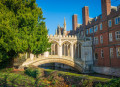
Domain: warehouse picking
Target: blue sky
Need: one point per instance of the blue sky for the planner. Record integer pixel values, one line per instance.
(55, 10)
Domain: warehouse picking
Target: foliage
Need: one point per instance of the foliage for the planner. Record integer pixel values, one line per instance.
(33, 72)
(76, 80)
(15, 80)
(112, 83)
(18, 80)
(6, 70)
(79, 76)
(53, 79)
(22, 29)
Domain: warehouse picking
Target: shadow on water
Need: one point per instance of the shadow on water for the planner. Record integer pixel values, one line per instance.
(59, 67)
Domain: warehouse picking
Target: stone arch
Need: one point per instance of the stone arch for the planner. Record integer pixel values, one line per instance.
(66, 48)
(59, 60)
(54, 41)
(66, 41)
(54, 48)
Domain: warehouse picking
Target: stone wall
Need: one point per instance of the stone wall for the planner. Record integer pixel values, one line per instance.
(107, 71)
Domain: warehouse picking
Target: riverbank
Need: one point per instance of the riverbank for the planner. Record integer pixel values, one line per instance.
(36, 77)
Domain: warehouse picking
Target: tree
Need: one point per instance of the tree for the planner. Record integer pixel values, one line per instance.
(22, 29)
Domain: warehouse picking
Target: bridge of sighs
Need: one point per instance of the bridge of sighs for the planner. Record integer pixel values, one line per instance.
(71, 50)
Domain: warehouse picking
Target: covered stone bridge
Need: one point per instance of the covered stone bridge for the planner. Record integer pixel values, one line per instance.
(72, 50)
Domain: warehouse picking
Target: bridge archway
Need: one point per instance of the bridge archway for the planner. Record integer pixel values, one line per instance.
(59, 60)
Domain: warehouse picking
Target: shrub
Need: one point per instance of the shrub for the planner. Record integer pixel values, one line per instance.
(6, 70)
(33, 72)
(15, 80)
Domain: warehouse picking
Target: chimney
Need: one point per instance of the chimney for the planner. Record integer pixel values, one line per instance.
(74, 22)
(106, 8)
(85, 15)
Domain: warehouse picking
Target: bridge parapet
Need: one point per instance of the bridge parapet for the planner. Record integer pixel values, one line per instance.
(63, 36)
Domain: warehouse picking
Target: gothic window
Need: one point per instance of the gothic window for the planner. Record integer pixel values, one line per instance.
(66, 49)
(54, 49)
(77, 50)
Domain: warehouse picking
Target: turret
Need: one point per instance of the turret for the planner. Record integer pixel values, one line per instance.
(64, 24)
(58, 29)
(56, 32)
(64, 32)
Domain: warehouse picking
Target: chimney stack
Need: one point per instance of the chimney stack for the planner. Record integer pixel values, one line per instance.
(85, 15)
(106, 8)
(74, 22)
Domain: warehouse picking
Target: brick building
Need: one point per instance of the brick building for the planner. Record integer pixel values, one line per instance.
(105, 31)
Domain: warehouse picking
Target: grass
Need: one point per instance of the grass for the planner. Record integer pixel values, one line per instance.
(93, 78)
(50, 78)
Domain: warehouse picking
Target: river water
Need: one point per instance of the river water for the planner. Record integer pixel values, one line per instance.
(63, 67)
(59, 67)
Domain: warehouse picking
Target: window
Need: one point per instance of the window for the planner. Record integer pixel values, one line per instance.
(118, 51)
(117, 20)
(102, 54)
(110, 37)
(91, 30)
(87, 31)
(101, 26)
(109, 23)
(96, 56)
(117, 34)
(101, 39)
(111, 52)
(95, 40)
(95, 28)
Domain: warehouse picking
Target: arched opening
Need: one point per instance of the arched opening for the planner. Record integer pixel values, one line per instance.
(54, 49)
(77, 50)
(66, 49)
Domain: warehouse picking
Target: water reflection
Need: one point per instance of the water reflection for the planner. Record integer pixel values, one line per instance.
(58, 66)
